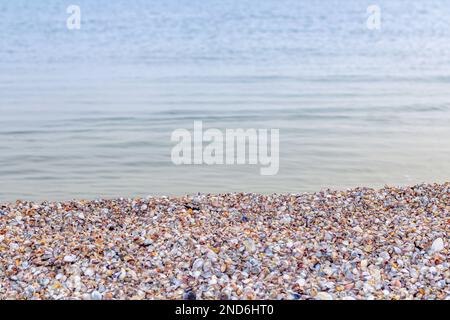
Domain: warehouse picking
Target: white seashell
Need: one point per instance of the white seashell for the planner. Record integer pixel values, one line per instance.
(70, 258)
(437, 246)
(250, 245)
(198, 263)
(323, 296)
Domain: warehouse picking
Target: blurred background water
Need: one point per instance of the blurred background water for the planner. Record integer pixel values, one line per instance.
(89, 113)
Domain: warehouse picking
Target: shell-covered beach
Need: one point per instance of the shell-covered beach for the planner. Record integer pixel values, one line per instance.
(391, 243)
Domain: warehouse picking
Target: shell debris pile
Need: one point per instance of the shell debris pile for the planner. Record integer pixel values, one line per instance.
(391, 243)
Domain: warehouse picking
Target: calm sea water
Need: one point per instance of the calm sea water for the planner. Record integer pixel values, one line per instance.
(89, 113)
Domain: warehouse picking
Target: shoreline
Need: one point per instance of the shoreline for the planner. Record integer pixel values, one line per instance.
(389, 243)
